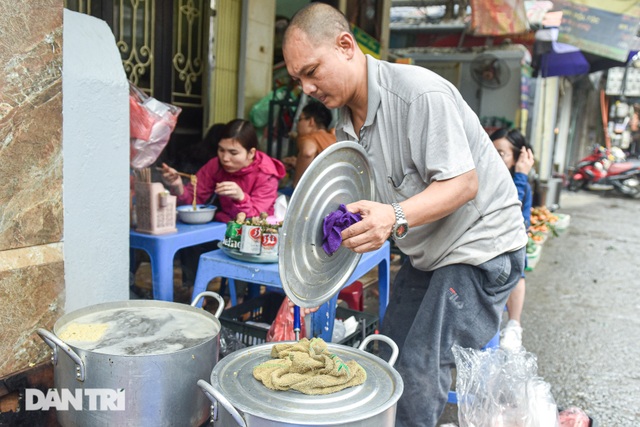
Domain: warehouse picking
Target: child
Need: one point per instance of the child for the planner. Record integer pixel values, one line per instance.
(518, 156)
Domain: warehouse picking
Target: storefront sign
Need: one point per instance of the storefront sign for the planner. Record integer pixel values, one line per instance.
(367, 43)
(604, 28)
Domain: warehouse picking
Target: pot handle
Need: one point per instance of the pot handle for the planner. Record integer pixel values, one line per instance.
(215, 395)
(54, 342)
(392, 344)
(210, 294)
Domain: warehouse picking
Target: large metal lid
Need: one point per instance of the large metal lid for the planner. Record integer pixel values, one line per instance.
(233, 378)
(341, 174)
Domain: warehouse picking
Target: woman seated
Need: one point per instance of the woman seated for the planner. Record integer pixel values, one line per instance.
(243, 178)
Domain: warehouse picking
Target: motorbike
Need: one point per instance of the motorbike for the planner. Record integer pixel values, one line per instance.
(606, 170)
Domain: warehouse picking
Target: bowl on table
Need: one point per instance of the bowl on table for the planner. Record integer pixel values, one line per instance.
(201, 215)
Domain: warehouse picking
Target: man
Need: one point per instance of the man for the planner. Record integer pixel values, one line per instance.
(455, 210)
(313, 137)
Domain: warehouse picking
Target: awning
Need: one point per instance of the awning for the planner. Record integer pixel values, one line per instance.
(552, 58)
(562, 60)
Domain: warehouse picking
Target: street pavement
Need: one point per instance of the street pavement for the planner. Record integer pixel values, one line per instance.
(582, 309)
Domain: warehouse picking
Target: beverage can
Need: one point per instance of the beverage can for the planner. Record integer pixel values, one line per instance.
(270, 244)
(233, 235)
(251, 239)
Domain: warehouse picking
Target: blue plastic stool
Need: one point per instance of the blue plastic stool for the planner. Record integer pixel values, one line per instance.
(218, 264)
(163, 247)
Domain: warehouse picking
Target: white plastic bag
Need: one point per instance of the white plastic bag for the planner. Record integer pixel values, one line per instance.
(499, 388)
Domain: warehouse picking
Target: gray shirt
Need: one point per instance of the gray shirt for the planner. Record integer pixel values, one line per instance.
(419, 130)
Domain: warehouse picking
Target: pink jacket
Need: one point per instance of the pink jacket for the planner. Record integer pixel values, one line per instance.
(259, 181)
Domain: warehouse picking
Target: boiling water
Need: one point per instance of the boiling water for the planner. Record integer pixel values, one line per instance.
(138, 331)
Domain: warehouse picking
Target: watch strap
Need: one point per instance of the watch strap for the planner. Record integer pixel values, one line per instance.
(399, 212)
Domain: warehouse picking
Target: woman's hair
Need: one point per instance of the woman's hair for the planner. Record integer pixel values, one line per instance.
(321, 114)
(241, 131)
(516, 139)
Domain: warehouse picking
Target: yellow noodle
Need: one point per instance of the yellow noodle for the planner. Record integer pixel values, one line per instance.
(83, 332)
(194, 183)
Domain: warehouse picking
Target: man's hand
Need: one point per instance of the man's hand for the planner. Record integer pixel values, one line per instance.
(374, 229)
(303, 311)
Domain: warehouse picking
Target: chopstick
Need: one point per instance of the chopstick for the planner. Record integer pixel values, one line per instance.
(186, 175)
(143, 175)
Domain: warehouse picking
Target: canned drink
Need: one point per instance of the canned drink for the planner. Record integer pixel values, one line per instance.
(270, 244)
(233, 234)
(251, 239)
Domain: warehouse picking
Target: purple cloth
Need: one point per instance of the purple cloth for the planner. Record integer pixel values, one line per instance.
(333, 225)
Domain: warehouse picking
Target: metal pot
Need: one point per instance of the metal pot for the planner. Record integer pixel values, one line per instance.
(153, 352)
(239, 399)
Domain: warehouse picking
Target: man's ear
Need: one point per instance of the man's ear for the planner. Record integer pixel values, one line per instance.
(252, 153)
(346, 44)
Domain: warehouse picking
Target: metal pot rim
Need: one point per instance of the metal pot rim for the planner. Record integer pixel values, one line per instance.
(381, 390)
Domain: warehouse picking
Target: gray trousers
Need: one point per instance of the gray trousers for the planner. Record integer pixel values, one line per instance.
(428, 312)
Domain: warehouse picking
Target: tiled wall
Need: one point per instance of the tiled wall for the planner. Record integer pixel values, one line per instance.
(31, 215)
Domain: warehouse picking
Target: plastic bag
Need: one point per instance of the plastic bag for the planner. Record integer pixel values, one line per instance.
(282, 327)
(501, 388)
(229, 342)
(259, 113)
(150, 125)
(574, 417)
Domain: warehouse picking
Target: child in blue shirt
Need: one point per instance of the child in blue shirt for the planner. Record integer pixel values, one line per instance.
(518, 156)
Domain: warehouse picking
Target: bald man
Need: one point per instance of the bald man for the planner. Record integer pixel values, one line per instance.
(442, 193)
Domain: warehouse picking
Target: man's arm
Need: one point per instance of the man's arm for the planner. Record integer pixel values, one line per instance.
(439, 199)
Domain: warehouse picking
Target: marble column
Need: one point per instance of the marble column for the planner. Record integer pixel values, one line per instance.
(31, 214)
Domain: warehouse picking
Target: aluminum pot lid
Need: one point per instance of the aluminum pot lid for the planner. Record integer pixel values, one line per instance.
(137, 328)
(233, 378)
(341, 174)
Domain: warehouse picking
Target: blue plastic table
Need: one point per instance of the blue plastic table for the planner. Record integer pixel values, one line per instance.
(218, 264)
(163, 247)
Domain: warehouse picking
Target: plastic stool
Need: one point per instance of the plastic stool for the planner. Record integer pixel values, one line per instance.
(353, 295)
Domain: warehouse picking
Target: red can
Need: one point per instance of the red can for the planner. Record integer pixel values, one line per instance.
(270, 244)
(251, 239)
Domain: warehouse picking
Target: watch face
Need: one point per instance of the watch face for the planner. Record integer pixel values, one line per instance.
(401, 231)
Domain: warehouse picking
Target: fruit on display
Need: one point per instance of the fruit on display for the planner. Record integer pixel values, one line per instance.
(542, 222)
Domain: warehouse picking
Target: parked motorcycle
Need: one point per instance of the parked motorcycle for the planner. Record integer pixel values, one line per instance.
(605, 170)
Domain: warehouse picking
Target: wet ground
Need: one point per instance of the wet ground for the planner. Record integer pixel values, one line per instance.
(582, 310)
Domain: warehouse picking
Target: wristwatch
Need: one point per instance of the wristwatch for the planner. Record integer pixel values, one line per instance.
(401, 227)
